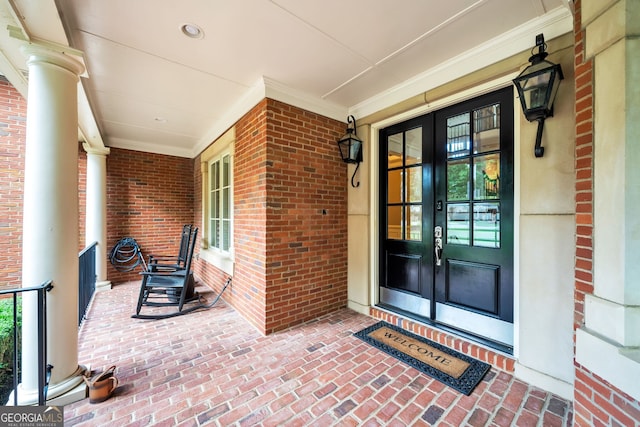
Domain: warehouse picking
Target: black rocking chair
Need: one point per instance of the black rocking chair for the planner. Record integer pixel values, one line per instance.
(173, 263)
(169, 287)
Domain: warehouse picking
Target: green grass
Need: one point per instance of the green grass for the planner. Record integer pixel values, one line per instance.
(6, 344)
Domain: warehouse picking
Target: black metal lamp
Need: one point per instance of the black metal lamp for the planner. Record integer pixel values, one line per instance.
(537, 88)
(351, 147)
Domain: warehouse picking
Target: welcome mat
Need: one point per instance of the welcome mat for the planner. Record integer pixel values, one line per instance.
(457, 370)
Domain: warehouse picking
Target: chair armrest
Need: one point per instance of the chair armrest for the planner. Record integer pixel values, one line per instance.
(178, 273)
(153, 258)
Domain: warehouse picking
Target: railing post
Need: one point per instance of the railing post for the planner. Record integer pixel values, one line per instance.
(87, 279)
(44, 369)
(15, 349)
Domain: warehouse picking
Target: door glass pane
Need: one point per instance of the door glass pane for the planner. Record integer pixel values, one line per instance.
(394, 222)
(487, 177)
(458, 180)
(458, 223)
(414, 184)
(458, 135)
(394, 186)
(413, 147)
(414, 223)
(394, 150)
(486, 135)
(486, 225)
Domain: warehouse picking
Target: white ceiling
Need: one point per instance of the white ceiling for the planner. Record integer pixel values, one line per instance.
(151, 88)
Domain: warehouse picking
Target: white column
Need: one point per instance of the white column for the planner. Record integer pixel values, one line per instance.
(96, 217)
(50, 235)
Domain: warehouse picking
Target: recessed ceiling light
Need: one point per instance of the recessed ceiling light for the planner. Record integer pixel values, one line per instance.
(192, 31)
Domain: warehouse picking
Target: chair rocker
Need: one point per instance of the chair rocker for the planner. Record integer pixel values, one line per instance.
(167, 287)
(169, 262)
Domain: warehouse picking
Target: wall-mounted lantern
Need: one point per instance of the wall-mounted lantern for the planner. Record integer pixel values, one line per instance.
(537, 88)
(351, 147)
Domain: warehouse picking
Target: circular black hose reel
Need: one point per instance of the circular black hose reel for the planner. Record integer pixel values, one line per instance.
(126, 255)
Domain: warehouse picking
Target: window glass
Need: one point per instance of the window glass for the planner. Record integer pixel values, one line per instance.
(413, 229)
(220, 203)
(226, 235)
(414, 184)
(458, 223)
(394, 186)
(226, 172)
(404, 185)
(458, 179)
(394, 222)
(458, 135)
(395, 151)
(486, 177)
(486, 225)
(413, 147)
(486, 136)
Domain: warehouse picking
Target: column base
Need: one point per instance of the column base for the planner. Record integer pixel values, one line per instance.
(70, 390)
(103, 285)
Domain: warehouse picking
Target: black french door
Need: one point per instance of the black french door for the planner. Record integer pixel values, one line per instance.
(446, 216)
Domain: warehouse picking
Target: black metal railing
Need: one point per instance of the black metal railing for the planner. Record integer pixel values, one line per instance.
(44, 369)
(87, 282)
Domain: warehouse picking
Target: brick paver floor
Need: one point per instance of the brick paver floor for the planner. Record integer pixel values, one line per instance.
(213, 368)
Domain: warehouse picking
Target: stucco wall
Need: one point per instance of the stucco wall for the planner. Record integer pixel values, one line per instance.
(607, 391)
(544, 202)
(547, 239)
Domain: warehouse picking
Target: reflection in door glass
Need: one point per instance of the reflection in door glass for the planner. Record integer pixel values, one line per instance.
(394, 222)
(394, 156)
(458, 179)
(486, 136)
(413, 147)
(414, 184)
(413, 229)
(486, 177)
(394, 186)
(486, 225)
(458, 223)
(458, 135)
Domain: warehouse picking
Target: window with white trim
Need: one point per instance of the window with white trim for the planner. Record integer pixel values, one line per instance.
(220, 203)
(217, 202)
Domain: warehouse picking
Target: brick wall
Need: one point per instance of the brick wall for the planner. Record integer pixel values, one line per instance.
(306, 217)
(290, 255)
(596, 402)
(149, 198)
(13, 114)
(584, 172)
(249, 179)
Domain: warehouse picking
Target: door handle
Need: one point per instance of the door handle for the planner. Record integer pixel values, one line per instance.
(437, 234)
